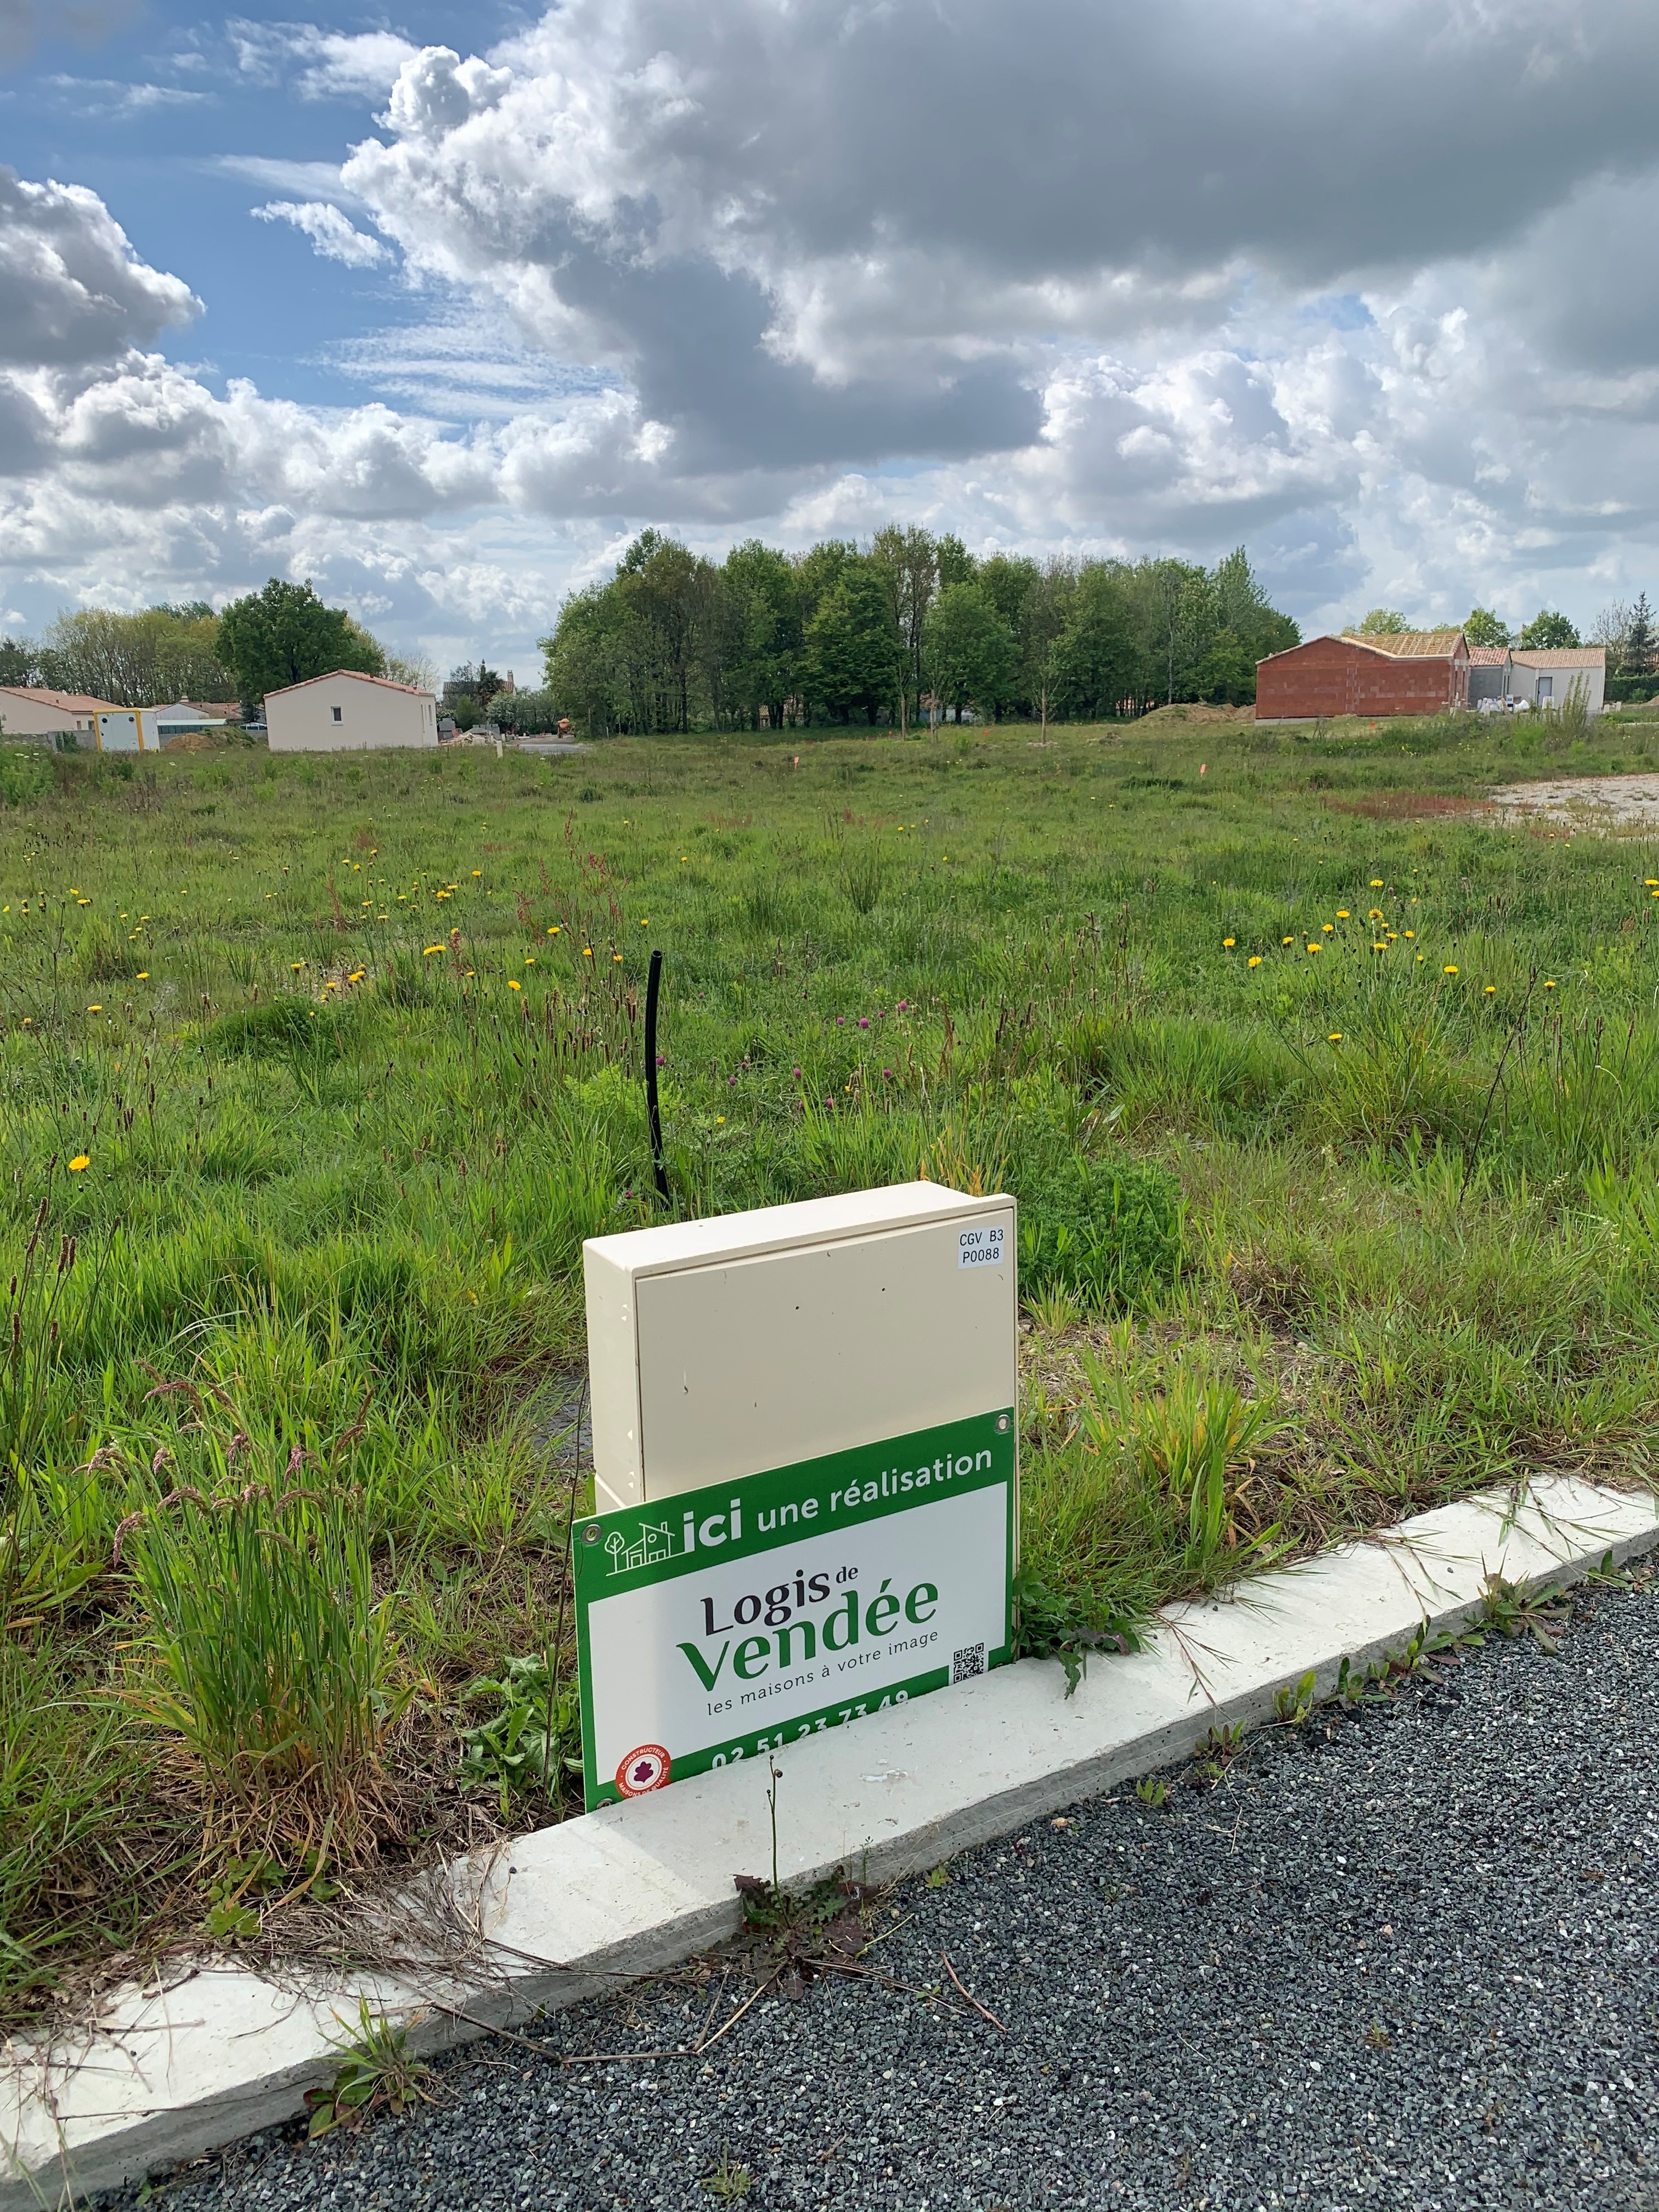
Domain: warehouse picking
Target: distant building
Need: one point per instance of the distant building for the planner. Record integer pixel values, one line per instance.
(1549, 678)
(184, 719)
(1419, 671)
(1489, 672)
(349, 713)
(33, 711)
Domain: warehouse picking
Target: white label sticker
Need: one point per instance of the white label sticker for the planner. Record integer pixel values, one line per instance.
(980, 1248)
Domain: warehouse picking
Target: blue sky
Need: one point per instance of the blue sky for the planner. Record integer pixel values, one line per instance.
(169, 119)
(1081, 277)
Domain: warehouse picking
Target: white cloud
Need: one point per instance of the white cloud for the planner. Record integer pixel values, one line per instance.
(71, 289)
(114, 96)
(322, 64)
(330, 233)
(1217, 270)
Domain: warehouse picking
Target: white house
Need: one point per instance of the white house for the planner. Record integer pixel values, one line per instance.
(349, 713)
(32, 711)
(182, 720)
(1547, 679)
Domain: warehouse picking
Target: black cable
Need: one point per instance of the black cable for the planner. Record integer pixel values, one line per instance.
(654, 986)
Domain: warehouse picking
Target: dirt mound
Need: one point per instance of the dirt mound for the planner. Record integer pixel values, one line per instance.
(1197, 717)
(193, 741)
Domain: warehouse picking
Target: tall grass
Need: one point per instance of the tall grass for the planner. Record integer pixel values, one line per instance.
(1400, 1202)
(271, 1654)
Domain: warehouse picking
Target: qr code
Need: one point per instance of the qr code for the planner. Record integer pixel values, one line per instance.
(967, 1662)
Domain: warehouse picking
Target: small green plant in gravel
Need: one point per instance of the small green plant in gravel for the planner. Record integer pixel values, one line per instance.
(729, 2181)
(378, 2072)
(1510, 1610)
(1294, 1707)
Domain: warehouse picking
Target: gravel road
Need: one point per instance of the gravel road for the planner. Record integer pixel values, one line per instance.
(1408, 1957)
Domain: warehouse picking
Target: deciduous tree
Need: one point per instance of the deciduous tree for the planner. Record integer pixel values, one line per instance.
(285, 634)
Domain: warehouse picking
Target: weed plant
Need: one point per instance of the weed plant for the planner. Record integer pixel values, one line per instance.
(1332, 1107)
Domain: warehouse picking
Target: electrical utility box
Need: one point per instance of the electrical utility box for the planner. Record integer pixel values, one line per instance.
(805, 1464)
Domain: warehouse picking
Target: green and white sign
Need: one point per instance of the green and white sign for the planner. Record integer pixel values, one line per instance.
(718, 1624)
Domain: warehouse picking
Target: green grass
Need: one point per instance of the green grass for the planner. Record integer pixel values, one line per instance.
(288, 1375)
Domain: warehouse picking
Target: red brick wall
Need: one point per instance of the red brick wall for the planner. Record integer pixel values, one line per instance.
(1329, 676)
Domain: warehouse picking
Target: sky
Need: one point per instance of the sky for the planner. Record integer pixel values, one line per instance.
(439, 306)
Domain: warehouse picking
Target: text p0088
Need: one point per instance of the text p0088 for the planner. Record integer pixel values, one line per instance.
(980, 1247)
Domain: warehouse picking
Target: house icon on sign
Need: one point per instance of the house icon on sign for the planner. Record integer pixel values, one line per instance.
(651, 1546)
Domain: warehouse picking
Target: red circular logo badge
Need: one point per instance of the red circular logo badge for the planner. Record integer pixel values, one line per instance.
(642, 1769)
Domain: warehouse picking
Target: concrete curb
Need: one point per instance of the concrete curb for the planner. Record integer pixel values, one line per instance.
(173, 2071)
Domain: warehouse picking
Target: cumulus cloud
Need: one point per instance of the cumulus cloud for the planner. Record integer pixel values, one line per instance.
(331, 234)
(1361, 287)
(71, 287)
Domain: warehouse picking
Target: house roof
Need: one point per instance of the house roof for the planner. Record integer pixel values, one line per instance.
(72, 703)
(1488, 656)
(385, 684)
(182, 710)
(1409, 644)
(1565, 656)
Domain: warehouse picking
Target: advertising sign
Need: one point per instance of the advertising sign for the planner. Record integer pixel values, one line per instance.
(717, 1624)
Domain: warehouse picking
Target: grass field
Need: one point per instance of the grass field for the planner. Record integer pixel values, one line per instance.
(1334, 1111)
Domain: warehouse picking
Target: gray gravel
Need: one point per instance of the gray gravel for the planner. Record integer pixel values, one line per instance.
(1406, 1958)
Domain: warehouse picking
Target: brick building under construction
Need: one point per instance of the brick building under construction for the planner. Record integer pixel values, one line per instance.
(1414, 672)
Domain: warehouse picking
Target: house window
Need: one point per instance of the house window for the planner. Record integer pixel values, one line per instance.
(337, 714)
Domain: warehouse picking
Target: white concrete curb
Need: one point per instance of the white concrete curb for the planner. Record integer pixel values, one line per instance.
(640, 1887)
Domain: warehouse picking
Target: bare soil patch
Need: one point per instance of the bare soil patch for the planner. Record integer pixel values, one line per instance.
(1586, 802)
(1197, 717)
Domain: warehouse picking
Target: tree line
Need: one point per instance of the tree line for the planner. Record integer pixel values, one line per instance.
(282, 634)
(906, 629)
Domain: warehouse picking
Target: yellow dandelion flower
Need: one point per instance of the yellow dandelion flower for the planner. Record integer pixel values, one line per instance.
(1652, 882)
(1229, 942)
(1377, 882)
(1448, 971)
(529, 959)
(1491, 990)
(720, 1117)
(1420, 959)
(1255, 960)
(428, 950)
(513, 984)
(1335, 1037)
(615, 956)
(1375, 915)
(296, 965)
(553, 929)
(1328, 926)
(97, 1007)
(81, 1160)
(1410, 933)
(1287, 940)
(1315, 948)
(1549, 983)
(587, 952)
(477, 871)
(1379, 948)
(144, 975)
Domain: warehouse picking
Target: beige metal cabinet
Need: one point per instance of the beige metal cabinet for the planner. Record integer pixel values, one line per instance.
(722, 1348)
